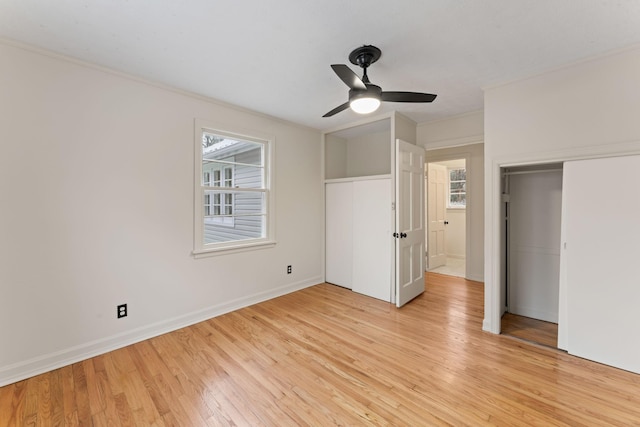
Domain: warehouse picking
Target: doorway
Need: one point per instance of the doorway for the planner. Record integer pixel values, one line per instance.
(532, 212)
(446, 203)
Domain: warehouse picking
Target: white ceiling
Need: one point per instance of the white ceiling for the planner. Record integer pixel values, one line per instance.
(274, 56)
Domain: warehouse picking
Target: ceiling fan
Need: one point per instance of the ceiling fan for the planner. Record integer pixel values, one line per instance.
(364, 96)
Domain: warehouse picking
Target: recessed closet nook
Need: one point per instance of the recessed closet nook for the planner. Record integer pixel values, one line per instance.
(362, 228)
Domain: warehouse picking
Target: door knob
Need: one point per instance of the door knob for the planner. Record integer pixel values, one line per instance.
(446, 223)
(403, 235)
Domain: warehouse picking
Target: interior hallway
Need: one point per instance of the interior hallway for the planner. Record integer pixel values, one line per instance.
(453, 267)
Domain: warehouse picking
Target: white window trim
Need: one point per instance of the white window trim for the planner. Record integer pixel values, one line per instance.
(201, 249)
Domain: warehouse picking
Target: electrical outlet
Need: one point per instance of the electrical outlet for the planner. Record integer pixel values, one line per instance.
(288, 269)
(122, 310)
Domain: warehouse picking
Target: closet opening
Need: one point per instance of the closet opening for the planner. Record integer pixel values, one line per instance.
(531, 207)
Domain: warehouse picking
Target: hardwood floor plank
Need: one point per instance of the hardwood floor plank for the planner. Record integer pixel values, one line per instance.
(125, 414)
(83, 405)
(537, 331)
(328, 356)
(110, 414)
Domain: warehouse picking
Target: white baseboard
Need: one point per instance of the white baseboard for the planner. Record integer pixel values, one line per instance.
(41, 364)
(475, 277)
(487, 326)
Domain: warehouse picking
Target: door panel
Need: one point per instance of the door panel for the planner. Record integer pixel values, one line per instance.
(339, 233)
(437, 195)
(410, 240)
(372, 244)
(601, 251)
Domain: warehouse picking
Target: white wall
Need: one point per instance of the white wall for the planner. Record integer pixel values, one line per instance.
(461, 137)
(96, 196)
(369, 154)
(454, 131)
(588, 109)
(362, 155)
(335, 157)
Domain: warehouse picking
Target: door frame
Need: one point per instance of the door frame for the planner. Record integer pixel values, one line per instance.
(493, 232)
(470, 189)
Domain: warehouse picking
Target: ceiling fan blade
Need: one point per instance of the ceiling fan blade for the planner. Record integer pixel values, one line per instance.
(347, 75)
(337, 109)
(407, 97)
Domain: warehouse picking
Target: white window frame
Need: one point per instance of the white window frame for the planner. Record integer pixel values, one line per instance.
(449, 205)
(268, 141)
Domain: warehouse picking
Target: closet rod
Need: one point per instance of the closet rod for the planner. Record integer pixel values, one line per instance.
(530, 171)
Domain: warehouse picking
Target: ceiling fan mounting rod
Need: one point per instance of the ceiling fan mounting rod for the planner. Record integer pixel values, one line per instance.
(364, 56)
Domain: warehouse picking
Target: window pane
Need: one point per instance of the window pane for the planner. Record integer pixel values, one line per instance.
(458, 174)
(457, 200)
(254, 226)
(216, 147)
(249, 203)
(248, 177)
(457, 186)
(236, 216)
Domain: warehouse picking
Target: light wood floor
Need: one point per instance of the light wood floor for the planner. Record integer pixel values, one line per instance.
(526, 328)
(328, 356)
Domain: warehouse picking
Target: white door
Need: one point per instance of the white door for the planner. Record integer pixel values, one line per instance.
(372, 244)
(601, 251)
(437, 198)
(339, 233)
(409, 177)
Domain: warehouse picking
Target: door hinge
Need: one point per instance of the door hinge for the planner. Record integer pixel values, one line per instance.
(393, 206)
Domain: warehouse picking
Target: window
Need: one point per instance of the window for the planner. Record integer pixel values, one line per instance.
(233, 197)
(458, 188)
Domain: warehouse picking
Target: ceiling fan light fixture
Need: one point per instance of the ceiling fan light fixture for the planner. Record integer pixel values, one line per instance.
(364, 96)
(365, 104)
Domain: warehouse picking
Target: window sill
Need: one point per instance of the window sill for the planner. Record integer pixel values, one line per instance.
(233, 249)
